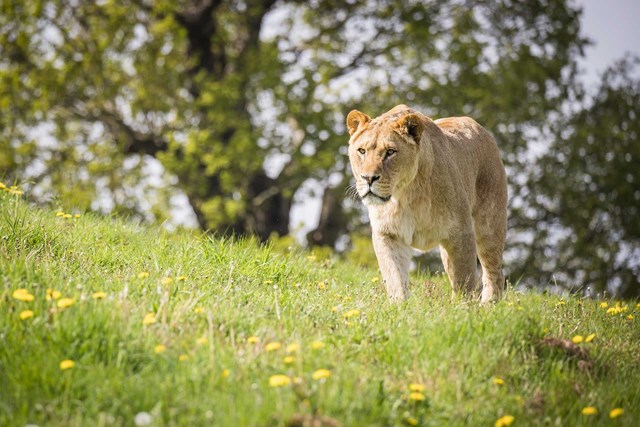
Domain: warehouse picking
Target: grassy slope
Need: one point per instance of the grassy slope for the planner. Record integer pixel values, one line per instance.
(234, 290)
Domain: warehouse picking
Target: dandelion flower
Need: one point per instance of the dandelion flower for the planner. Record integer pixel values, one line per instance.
(76, 216)
(577, 339)
(59, 213)
(498, 381)
(321, 374)
(160, 348)
(67, 216)
(351, 313)
(201, 341)
(225, 373)
(65, 303)
(22, 295)
(149, 319)
(589, 337)
(53, 295)
(288, 360)
(2, 186)
(253, 339)
(198, 310)
(416, 396)
(616, 412)
(630, 317)
(143, 275)
(375, 280)
(411, 421)
(26, 314)
(293, 348)
(317, 345)
(272, 346)
(268, 282)
(67, 364)
(279, 380)
(416, 387)
(604, 304)
(181, 278)
(505, 421)
(589, 410)
(167, 281)
(311, 257)
(99, 295)
(183, 358)
(321, 285)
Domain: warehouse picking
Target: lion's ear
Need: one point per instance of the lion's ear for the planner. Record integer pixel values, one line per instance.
(355, 119)
(411, 125)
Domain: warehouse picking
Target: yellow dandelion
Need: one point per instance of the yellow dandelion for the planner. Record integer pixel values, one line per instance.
(67, 364)
(201, 341)
(53, 295)
(638, 305)
(181, 278)
(416, 396)
(411, 421)
(272, 346)
(167, 281)
(589, 410)
(616, 412)
(577, 339)
(334, 308)
(183, 357)
(560, 303)
(160, 348)
(15, 190)
(65, 302)
(26, 314)
(268, 282)
(2, 186)
(198, 310)
(317, 345)
(321, 285)
(630, 317)
(351, 313)
(321, 374)
(225, 373)
(279, 380)
(253, 340)
(288, 360)
(67, 216)
(59, 213)
(416, 387)
(505, 421)
(498, 381)
(311, 257)
(604, 304)
(589, 337)
(375, 280)
(143, 275)
(22, 295)
(99, 295)
(293, 348)
(149, 319)
(76, 216)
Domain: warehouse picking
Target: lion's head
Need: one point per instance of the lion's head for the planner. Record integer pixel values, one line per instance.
(384, 152)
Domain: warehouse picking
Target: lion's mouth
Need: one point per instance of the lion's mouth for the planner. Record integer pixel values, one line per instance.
(375, 196)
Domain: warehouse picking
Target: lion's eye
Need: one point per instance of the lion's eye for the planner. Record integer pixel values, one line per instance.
(361, 150)
(390, 152)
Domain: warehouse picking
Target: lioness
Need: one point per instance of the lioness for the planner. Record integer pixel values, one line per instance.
(428, 183)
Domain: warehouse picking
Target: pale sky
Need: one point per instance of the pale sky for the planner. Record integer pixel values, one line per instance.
(614, 28)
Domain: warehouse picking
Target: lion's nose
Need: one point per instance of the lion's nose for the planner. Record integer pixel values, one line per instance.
(370, 179)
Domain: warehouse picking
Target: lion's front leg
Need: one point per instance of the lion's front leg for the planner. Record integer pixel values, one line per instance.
(393, 259)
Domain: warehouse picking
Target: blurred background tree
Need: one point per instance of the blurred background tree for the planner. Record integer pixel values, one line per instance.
(131, 106)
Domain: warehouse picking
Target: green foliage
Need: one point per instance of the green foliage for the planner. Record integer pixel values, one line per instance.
(586, 193)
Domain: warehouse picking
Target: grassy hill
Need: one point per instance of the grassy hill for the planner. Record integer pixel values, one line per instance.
(104, 322)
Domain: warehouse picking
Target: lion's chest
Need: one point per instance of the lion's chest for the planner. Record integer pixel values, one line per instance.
(419, 231)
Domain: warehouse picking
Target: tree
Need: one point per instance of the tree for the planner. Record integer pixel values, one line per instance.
(241, 102)
(586, 194)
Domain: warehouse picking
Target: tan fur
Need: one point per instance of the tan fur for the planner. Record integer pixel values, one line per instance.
(438, 183)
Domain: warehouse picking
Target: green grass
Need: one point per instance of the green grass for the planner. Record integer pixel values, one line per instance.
(235, 289)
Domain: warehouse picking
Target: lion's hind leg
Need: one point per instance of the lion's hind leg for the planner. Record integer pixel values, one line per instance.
(490, 238)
